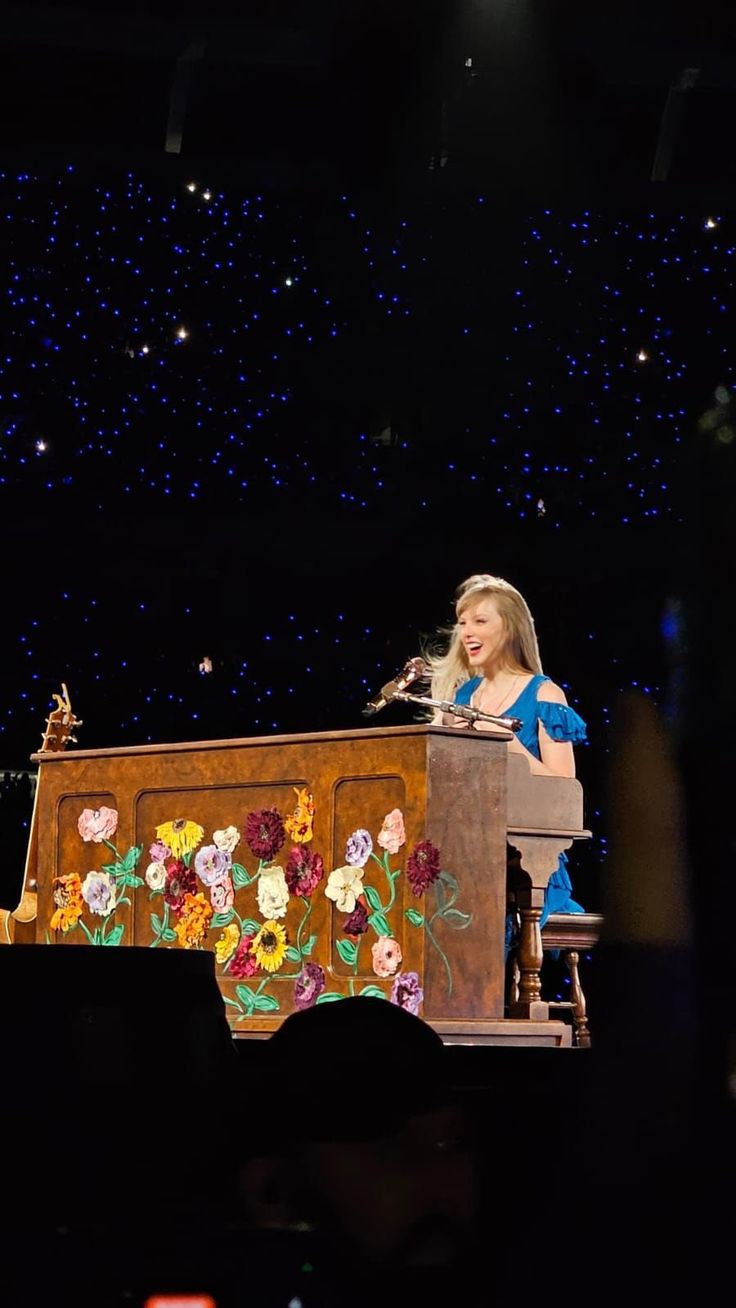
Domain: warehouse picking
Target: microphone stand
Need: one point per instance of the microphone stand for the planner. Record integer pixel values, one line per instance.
(471, 715)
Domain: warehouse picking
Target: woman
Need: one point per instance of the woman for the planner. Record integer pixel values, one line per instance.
(493, 664)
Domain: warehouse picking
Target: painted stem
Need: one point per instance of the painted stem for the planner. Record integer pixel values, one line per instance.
(308, 906)
(164, 927)
(440, 951)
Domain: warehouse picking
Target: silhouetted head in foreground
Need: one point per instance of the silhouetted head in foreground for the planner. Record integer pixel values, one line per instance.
(359, 1139)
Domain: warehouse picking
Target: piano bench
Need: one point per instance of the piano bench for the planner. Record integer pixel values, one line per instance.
(573, 933)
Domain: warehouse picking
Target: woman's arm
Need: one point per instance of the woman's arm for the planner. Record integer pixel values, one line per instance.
(558, 759)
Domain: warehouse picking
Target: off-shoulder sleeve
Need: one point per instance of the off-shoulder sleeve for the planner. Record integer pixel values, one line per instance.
(561, 722)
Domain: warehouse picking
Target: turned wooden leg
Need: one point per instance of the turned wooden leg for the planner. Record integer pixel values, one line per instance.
(529, 1003)
(579, 1011)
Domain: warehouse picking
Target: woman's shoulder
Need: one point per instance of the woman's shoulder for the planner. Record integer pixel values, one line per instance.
(548, 691)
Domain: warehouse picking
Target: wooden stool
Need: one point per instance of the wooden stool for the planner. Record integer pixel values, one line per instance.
(572, 933)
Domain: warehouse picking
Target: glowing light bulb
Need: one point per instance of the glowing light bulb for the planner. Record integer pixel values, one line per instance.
(144, 349)
(41, 447)
(191, 186)
(182, 333)
(642, 356)
(288, 281)
(710, 223)
(206, 195)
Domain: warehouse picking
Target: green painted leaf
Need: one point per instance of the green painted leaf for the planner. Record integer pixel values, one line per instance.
(131, 858)
(309, 946)
(240, 876)
(374, 899)
(157, 924)
(133, 881)
(246, 996)
(348, 951)
(293, 954)
(48, 937)
(266, 1004)
(232, 1002)
(114, 869)
(115, 936)
(380, 924)
(223, 919)
(454, 918)
(251, 927)
(416, 919)
(440, 891)
(169, 936)
(329, 997)
(373, 992)
(449, 895)
(187, 858)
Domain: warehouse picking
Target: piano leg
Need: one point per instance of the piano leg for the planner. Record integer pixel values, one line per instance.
(530, 1003)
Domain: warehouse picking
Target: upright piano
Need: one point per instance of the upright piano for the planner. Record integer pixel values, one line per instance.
(317, 866)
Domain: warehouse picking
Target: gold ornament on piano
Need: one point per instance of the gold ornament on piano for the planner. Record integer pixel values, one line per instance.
(59, 729)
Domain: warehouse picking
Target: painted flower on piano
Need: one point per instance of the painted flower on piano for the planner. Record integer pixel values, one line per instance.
(155, 877)
(357, 923)
(387, 956)
(194, 921)
(273, 893)
(309, 986)
(423, 866)
(392, 834)
(227, 839)
(180, 881)
(99, 893)
(264, 833)
(269, 946)
(299, 824)
(359, 848)
(407, 993)
(304, 871)
(245, 963)
(97, 824)
(69, 902)
(344, 885)
(181, 835)
(227, 944)
(212, 865)
(222, 896)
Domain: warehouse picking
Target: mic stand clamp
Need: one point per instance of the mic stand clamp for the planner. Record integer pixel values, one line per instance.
(471, 715)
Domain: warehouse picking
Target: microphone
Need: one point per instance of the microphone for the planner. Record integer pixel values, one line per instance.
(415, 670)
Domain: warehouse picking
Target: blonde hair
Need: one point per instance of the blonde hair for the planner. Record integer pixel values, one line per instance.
(521, 652)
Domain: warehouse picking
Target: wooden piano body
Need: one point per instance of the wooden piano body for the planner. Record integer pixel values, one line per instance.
(440, 952)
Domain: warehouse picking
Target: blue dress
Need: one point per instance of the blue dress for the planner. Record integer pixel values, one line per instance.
(561, 723)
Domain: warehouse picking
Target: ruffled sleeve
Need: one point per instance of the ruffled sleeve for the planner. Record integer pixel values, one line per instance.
(561, 722)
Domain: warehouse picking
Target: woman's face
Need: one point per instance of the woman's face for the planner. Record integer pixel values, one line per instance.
(482, 632)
